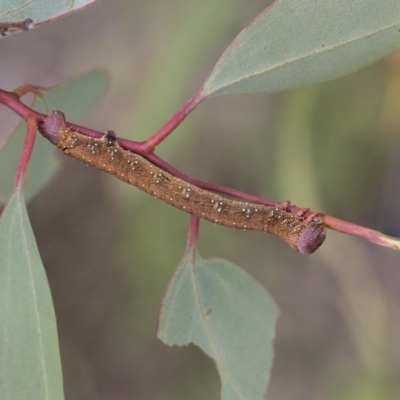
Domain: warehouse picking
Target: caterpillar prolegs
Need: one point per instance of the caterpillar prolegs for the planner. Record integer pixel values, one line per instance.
(302, 234)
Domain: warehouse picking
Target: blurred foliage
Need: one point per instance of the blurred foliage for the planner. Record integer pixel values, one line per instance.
(110, 250)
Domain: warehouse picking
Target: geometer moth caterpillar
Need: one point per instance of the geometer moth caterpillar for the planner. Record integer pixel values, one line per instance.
(302, 234)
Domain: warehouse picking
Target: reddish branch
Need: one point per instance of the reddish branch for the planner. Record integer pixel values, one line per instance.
(193, 233)
(27, 149)
(146, 149)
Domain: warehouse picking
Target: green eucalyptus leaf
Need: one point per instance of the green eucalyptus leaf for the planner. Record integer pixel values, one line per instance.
(76, 98)
(230, 316)
(29, 355)
(294, 43)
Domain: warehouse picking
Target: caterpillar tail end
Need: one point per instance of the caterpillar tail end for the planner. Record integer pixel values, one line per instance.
(311, 238)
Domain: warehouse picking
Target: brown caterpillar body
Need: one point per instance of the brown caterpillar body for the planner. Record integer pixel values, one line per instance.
(302, 234)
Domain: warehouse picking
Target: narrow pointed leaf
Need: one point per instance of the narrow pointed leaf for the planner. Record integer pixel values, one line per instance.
(294, 43)
(30, 365)
(76, 98)
(218, 307)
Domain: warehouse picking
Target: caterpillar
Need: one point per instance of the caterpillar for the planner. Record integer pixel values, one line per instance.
(304, 234)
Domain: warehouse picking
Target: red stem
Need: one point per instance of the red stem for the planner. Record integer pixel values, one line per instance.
(29, 88)
(12, 101)
(148, 146)
(360, 231)
(26, 152)
(193, 234)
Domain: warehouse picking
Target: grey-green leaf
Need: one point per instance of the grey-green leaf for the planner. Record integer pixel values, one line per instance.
(30, 365)
(230, 316)
(39, 11)
(294, 43)
(76, 98)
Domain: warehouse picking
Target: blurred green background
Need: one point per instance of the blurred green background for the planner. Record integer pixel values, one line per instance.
(109, 250)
